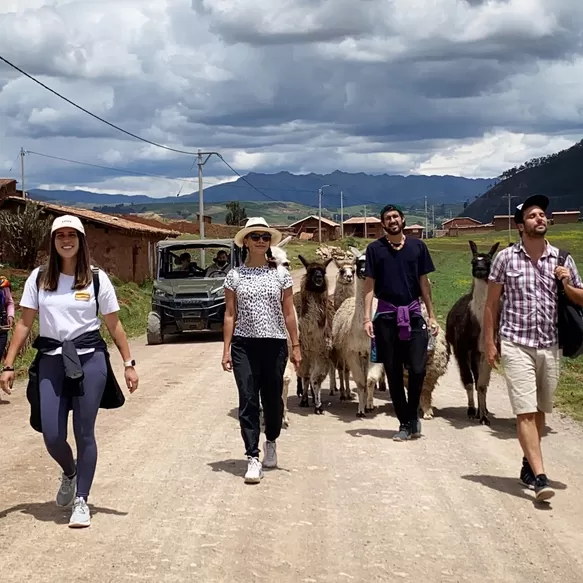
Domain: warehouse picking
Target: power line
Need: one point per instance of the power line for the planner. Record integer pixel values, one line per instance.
(245, 180)
(178, 151)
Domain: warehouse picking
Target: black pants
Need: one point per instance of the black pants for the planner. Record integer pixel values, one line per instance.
(3, 342)
(395, 354)
(258, 367)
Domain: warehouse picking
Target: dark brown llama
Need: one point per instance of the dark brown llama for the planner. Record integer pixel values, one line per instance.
(463, 333)
(315, 312)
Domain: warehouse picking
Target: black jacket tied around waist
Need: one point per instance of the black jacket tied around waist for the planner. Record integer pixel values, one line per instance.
(112, 398)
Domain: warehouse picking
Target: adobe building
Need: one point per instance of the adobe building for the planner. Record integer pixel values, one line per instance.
(308, 228)
(501, 222)
(565, 217)
(457, 222)
(414, 231)
(354, 227)
(123, 248)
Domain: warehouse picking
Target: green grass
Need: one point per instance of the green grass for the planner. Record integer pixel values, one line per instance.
(134, 302)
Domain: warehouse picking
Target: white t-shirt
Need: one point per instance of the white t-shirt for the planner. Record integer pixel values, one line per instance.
(259, 300)
(66, 313)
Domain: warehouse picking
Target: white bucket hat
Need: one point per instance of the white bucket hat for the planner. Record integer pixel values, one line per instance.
(257, 225)
(68, 221)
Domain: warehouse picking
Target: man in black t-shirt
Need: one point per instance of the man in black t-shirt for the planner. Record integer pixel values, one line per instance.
(396, 273)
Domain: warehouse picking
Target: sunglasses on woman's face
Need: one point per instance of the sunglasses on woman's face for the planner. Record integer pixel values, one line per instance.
(256, 236)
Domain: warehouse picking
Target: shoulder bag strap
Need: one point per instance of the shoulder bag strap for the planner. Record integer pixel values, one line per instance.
(96, 284)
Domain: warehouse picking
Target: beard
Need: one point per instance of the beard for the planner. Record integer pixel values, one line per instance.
(536, 232)
(393, 229)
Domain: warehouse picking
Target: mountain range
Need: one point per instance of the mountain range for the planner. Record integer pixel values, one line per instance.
(559, 176)
(358, 189)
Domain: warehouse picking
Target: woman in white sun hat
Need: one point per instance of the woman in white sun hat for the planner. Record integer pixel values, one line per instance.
(259, 310)
(71, 369)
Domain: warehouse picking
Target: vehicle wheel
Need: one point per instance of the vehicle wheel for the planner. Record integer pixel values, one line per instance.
(154, 331)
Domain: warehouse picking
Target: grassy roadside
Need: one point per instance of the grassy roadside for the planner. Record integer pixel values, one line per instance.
(134, 302)
(452, 278)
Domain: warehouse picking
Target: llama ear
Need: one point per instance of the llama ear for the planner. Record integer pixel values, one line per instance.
(355, 252)
(284, 242)
(303, 260)
(493, 249)
(473, 247)
(327, 262)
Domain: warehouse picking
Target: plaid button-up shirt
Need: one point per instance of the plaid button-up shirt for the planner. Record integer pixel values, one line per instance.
(529, 312)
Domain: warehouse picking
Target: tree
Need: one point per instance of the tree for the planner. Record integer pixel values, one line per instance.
(235, 213)
(24, 233)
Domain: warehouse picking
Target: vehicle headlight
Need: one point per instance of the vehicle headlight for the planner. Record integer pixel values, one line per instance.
(160, 293)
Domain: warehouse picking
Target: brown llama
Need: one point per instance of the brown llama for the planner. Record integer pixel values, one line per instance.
(464, 334)
(315, 312)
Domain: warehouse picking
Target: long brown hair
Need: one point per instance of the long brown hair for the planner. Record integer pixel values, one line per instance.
(83, 276)
(271, 262)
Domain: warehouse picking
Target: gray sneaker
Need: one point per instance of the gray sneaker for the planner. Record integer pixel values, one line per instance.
(403, 434)
(66, 493)
(416, 428)
(270, 456)
(80, 517)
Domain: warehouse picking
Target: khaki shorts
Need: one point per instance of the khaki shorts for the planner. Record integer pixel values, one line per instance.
(532, 375)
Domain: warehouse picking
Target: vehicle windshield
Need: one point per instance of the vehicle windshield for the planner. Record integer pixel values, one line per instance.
(186, 262)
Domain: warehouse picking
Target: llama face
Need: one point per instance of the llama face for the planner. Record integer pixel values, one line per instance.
(345, 273)
(280, 256)
(315, 278)
(360, 267)
(481, 262)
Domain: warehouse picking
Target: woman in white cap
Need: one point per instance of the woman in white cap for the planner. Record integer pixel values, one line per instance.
(71, 369)
(259, 309)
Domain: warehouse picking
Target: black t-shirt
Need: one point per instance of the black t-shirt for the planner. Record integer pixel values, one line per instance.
(397, 273)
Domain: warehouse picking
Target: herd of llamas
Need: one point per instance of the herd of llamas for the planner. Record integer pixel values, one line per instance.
(333, 340)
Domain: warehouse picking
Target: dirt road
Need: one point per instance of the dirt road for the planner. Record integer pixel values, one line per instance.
(348, 504)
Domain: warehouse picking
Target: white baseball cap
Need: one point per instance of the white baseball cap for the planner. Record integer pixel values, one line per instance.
(68, 221)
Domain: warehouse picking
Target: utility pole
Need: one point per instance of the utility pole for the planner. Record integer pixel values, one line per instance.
(201, 163)
(433, 220)
(509, 197)
(22, 154)
(365, 225)
(341, 215)
(320, 212)
(426, 217)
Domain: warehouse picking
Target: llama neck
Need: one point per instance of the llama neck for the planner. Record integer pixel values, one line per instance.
(479, 294)
(359, 300)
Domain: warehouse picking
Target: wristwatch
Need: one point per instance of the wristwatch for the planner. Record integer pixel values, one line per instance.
(129, 363)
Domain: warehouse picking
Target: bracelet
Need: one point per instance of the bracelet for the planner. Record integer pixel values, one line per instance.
(7, 369)
(294, 345)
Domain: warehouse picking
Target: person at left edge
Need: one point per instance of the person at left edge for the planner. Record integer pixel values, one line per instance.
(67, 309)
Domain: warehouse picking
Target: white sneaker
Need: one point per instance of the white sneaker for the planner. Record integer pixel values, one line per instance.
(270, 455)
(80, 517)
(66, 493)
(254, 471)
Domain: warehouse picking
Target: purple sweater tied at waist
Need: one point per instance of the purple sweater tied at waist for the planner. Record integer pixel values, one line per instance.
(403, 315)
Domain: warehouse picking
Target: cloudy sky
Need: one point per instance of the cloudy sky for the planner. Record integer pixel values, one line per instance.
(462, 87)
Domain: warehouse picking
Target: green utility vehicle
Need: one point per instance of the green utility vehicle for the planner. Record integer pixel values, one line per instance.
(188, 293)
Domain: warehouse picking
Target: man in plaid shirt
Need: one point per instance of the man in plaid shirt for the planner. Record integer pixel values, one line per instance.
(523, 291)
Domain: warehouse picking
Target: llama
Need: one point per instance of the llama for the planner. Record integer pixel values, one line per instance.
(315, 314)
(351, 341)
(464, 334)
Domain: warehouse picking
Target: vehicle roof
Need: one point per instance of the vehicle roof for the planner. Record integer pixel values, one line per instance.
(195, 243)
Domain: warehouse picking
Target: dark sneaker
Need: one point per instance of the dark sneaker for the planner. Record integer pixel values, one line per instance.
(542, 489)
(403, 434)
(527, 475)
(416, 428)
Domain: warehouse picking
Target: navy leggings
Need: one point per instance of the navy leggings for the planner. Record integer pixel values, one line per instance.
(55, 414)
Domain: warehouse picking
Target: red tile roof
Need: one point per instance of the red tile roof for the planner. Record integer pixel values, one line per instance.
(101, 218)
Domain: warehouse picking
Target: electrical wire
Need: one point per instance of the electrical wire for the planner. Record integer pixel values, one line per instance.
(178, 151)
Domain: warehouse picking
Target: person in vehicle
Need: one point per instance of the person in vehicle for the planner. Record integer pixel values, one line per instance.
(186, 264)
(221, 265)
(259, 311)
